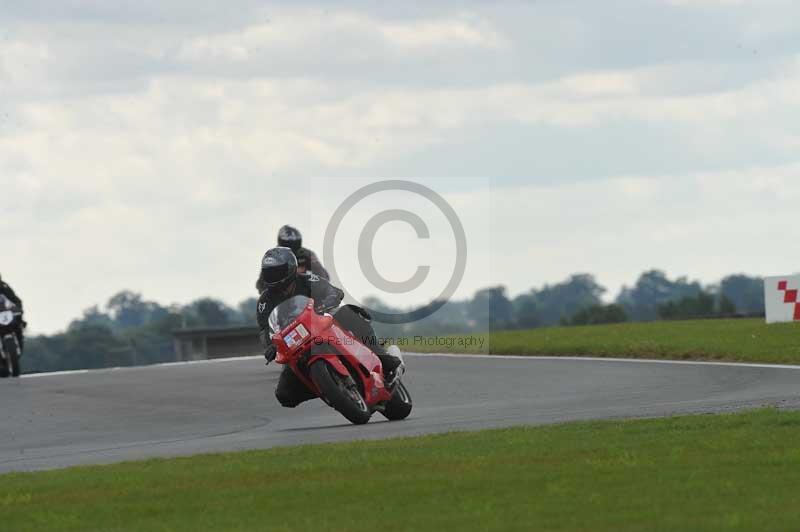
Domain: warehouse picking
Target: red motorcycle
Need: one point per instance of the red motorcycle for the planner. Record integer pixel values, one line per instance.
(333, 363)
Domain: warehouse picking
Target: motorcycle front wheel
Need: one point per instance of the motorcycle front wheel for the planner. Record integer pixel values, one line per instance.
(340, 392)
(12, 358)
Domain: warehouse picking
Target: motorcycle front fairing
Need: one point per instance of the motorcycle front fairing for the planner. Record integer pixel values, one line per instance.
(302, 330)
(305, 334)
(10, 316)
(296, 330)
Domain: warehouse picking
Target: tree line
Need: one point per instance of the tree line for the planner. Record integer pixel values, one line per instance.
(129, 330)
(578, 300)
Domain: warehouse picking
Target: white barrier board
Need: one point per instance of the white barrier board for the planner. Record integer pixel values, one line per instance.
(782, 298)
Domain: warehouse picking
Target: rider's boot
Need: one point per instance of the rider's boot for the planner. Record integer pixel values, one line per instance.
(392, 363)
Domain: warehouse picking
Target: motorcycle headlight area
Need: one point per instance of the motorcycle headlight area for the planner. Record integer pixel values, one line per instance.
(6, 317)
(296, 336)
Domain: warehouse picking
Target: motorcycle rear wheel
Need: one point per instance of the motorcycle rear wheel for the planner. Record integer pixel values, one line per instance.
(340, 392)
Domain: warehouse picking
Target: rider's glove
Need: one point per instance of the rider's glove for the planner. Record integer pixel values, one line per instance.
(270, 353)
(327, 304)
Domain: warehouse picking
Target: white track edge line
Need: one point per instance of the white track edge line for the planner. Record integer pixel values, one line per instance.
(609, 359)
(440, 355)
(123, 368)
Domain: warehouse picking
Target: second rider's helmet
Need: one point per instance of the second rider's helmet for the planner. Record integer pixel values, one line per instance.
(278, 270)
(290, 237)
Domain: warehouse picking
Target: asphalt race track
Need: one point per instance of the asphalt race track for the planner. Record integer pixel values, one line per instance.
(59, 420)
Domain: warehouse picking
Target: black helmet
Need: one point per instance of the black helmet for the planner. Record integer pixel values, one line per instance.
(278, 269)
(290, 237)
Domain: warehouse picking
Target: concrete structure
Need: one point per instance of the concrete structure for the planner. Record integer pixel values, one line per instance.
(202, 344)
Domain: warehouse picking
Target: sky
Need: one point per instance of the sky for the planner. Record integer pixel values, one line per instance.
(158, 146)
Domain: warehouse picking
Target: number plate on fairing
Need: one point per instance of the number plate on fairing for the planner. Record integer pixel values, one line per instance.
(296, 336)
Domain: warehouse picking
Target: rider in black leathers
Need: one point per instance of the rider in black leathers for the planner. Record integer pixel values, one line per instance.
(7, 291)
(307, 261)
(282, 281)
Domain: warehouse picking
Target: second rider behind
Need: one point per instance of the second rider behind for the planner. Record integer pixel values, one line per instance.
(307, 261)
(281, 281)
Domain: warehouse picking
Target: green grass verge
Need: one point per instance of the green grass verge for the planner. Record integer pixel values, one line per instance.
(736, 339)
(711, 472)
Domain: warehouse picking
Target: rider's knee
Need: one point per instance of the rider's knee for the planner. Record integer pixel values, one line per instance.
(286, 399)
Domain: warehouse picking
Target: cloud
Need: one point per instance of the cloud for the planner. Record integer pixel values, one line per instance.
(714, 3)
(705, 225)
(183, 127)
(355, 37)
(24, 62)
(157, 147)
(121, 146)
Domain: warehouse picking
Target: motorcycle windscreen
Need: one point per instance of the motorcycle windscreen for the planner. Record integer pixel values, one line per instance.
(285, 313)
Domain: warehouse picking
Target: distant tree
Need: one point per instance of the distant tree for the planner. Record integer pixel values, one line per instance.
(652, 289)
(165, 325)
(377, 305)
(451, 318)
(44, 353)
(597, 314)
(705, 304)
(526, 311)
(93, 346)
(127, 309)
(93, 316)
(726, 306)
(746, 293)
(130, 330)
(247, 311)
(698, 306)
(555, 303)
(491, 309)
(210, 313)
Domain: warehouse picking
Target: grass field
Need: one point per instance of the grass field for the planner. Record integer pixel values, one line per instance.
(735, 339)
(711, 472)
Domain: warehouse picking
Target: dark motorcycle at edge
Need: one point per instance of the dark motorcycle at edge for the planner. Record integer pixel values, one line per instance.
(10, 350)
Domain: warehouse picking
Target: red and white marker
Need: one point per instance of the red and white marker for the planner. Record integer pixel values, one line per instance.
(782, 298)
